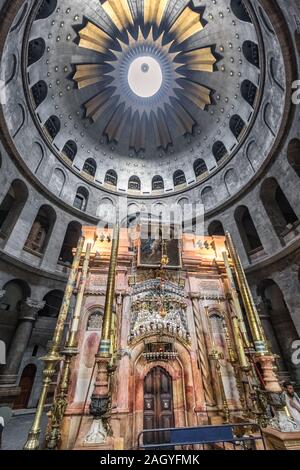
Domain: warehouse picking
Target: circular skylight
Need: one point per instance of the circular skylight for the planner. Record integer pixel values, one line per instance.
(145, 77)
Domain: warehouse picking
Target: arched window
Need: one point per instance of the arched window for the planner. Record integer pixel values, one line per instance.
(52, 126)
(200, 167)
(134, 183)
(277, 206)
(70, 242)
(36, 49)
(70, 150)
(41, 230)
(216, 228)
(293, 155)
(39, 92)
(95, 321)
(53, 301)
(16, 291)
(111, 178)
(219, 150)
(247, 230)
(179, 178)
(236, 125)
(90, 167)
(158, 183)
(81, 199)
(12, 206)
(251, 52)
(240, 11)
(46, 9)
(249, 91)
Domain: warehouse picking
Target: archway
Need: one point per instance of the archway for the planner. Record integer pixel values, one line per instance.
(278, 326)
(25, 384)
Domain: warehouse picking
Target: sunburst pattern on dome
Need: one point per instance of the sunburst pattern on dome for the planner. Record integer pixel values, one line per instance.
(147, 67)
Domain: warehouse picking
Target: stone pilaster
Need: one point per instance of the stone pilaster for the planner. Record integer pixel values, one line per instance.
(28, 315)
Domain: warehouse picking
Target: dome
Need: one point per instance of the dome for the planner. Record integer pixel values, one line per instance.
(149, 88)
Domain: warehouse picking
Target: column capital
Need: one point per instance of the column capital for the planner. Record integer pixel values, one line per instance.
(30, 308)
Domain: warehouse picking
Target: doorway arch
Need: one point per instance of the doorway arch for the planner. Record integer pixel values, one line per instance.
(26, 384)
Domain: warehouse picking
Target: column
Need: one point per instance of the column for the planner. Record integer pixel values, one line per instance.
(28, 315)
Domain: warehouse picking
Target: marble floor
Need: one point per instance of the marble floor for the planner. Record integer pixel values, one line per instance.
(15, 433)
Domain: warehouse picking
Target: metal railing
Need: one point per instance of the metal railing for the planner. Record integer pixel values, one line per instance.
(242, 436)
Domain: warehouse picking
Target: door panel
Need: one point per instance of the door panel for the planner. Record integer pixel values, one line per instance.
(158, 405)
(26, 384)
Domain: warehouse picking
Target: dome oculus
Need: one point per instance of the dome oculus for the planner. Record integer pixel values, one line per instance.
(145, 77)
(144, 71)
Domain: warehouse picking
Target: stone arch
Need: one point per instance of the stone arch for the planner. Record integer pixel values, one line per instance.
(216, 228)
(293, 155)
(276, 319)
(12, 206)
(208, 197)
(53, 301)
(70, 242)
(231, 180)
(58, 181)
(278, 208)
(81, 199)
(16, 292)
(41, 230)
(247, 229)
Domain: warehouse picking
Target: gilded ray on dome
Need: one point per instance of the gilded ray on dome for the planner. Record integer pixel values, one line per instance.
(200, 59)
(89, 74)
(186, 25)
(119, 13)
(164, 50)
(154, 11)
(94, 38)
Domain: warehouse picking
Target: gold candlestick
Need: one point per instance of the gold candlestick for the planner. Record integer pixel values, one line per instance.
(215, 356)
(262, 355)
(52, 358)
(237, 318)
(100, 400)
(254, 320)
(60, 403)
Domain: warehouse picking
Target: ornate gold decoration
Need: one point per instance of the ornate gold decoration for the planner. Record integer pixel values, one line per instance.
(202, 348)
(172, 44)
(100, 406)
(60, 403)
(53, 356)
(254, 320)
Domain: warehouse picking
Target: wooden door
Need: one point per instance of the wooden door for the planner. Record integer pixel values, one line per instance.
(26, 384)
(158, 405)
